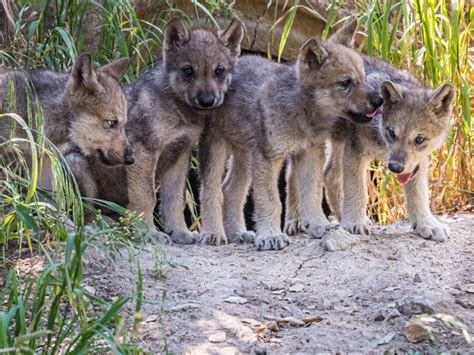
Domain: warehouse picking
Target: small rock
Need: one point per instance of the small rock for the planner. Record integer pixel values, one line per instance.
(386, 339)
(258, 350)
(218, 337)
(90, 290)
(412, 306)
(469, 288)
(275, 285)
(296, 288)
(417, 278)
(151, 319)
(296, 281)
(379, 317)
(236, 300)
(415, 330)
(292, 321)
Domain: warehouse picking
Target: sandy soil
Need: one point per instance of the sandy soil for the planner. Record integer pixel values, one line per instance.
(232, 299)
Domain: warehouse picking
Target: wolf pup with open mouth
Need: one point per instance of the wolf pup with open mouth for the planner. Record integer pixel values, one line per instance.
(274, 112)
(415, 122)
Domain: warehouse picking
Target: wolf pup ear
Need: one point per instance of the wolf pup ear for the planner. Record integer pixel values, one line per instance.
(312, 54)
(232, 36)
(175, 35)
(345, 35)
(83, 76)
(392, 93)
(117, 68)
(442, 98)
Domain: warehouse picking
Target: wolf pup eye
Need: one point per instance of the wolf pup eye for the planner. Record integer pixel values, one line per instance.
(391, 132)
(111, 124)
(419, 139)
(219, 70)
(188, 72)
(346, 84)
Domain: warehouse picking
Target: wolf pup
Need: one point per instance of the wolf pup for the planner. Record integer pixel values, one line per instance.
(414, 122)
(275, 111)
(168, 106)
(84, 110)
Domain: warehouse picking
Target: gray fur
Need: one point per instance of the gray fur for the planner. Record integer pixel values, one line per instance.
(275, 111)
(166, 118)
(410, 109)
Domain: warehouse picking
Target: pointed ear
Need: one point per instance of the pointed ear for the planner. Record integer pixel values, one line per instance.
(232, 36)
(442, 98)
(312, 54)
(117, 68)
(175, 35)
(392, 93)
(345, 35)
(83, 76)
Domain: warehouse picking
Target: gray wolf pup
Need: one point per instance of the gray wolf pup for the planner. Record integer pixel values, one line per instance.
(84, 110)
(168, 106)
(274, 112)
(414, 122)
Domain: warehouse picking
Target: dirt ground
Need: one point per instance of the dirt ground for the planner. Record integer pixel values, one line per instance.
(233, 299)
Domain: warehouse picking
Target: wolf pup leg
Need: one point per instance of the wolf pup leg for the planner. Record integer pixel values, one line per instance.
(417, 201)
(267, 205)
(333, 179)
(355, 193)
(292, 213)
(212, 157)
(236, 187)
(172, 187)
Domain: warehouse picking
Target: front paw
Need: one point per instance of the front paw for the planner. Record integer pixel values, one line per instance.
(242, 237)
(161, 237)
(271, 242)
(184, 237)
(432, 229)
(356, 228)
(293, 227)
(210, 238)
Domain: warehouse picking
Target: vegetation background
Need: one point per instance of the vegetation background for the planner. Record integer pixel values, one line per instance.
(49, 310)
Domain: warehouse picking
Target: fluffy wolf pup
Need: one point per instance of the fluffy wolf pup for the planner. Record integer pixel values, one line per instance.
(168, 106)
(414, 122)
(84, 110)
(273, 112)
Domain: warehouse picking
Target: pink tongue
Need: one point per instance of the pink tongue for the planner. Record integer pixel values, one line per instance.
(403, 178)
(373, 113)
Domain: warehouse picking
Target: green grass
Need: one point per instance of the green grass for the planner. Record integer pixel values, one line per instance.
(53, 313)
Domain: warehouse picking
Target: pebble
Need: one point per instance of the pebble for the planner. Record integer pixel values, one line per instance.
(218, 337)
(236, 300)
(296, 288)
(415, 330)
(417, 278)
(151, 319)
(412, 306)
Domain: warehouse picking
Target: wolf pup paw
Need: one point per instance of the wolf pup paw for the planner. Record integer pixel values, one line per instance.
(242, 237)
(293, 227)
(432, 229)
(357, 228)
(184, 237)
(161, 237)
(337, 239)
(271, 242)
(212, 238)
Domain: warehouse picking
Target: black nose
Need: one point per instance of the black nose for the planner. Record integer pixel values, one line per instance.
(375, 99)
(129, 158)
(395, 167)
(206, 100)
